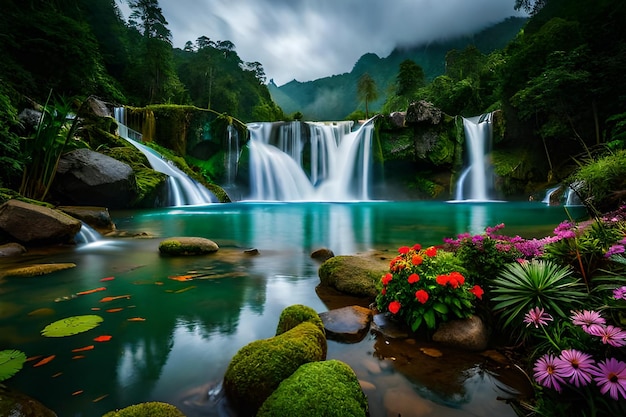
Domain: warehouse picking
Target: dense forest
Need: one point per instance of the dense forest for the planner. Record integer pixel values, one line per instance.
(558, 83)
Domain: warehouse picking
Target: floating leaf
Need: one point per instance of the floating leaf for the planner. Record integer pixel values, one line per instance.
(41, 312)
(117, 297)
(107, 279)
(114, 310)
(44, 360)
(182, 277)
(71, 325)
(11, 361)
(102, 397)
(103, 338)
(185, 289)
(83, 349)
(80, 391)
(136, 319)
(58, 374)
(78, 357)
(91, 291)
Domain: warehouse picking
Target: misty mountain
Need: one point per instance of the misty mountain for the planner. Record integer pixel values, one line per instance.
(335, 97)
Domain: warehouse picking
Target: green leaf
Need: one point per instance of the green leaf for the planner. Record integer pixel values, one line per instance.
(417, 323)
(11, 361)
(429, 318)
(71, 325)
(440, 308)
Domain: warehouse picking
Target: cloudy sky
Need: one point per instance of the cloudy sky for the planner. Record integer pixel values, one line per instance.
(311, 39)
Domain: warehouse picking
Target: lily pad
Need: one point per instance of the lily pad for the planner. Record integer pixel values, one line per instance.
(71, 325)
(11, 361)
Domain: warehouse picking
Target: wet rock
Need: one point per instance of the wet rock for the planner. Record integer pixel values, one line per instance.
(185, 246)
(251, 252)
(347, 324)
(403, 402)
(12, 249)
(16, 404)
(96, 217)
(31, 224)
(423, 112)
(322, 254)
(383, 324)
(397, 119)
(35, 270)
(467, 334)
(88, 178)
(353, 275)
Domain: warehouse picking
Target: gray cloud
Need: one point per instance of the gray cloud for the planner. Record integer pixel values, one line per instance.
(310, 39)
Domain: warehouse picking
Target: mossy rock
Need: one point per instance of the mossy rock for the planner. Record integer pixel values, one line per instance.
(184, 246)
(149, 409)
(353, 275)
(36, 270)
(296, 314)
(14, 403)
(258, 368)
(318, 389)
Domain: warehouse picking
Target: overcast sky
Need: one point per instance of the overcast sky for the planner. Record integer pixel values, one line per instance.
(311, 39)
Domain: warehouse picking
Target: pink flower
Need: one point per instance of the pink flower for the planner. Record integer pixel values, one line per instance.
(610, 335)
(577, 366)
(538, 317)
(394, 307)
(413, 278)
(549, 372)
(421, 296)
(590, 321)
(610, 376)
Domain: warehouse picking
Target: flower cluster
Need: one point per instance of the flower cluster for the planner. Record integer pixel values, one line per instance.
(578, 368)
(426, 285)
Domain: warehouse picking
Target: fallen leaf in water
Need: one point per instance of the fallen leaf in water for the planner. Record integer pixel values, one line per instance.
(104, 338)
(117, 297)
(181, 277)
(33, 358)
(158, 283)
(44, 361)
(107, 279)
(95, 308)
(78, 356)
(114, 310)
(80, 391)
(91, 291)
(136, 319)
(432, 352)
(185, 289)
(83, 349)
(41, 312)
(57, 374)
(102, 397)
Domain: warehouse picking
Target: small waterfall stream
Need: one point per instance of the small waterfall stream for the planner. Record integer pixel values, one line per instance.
(182, 190)
(476, 180)
(338, 167)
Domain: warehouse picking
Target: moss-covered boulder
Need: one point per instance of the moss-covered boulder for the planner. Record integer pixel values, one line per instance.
(353, 275)
(258, 368)
(318, 389)
(149, 409)
(35, 270)
(296, 314)
(184, 246)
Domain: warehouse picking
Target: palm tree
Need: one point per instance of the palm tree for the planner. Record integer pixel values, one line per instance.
(366, 90)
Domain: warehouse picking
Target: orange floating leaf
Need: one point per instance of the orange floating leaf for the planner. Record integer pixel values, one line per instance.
(33, 358)
(83, 349)
(181, 277)
(136, 319)
(114, 310)
(100, 398)
(117, 297)
(57, 374)
(44, 361)
(78, 356)
(107, 279)
(95, 308)
(91, 291)
(80, 391)
(103, 338)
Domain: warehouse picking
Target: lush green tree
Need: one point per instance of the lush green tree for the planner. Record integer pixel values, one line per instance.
(10, 162)
(530, 6)
(409, 79)
(366, 91)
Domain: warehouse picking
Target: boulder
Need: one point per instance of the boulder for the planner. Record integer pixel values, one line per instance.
(149, 409)
(318, 389)
(35, 270)
(396, 119)
(348, 324)
(353, 275)
(296, 314)
(12, 249)
(16, 404)
(96, 217)
(322, 254)
(258, 368)
(31, 224)
(88, 178)
(185, 246)
(423, 112)
(467, 334)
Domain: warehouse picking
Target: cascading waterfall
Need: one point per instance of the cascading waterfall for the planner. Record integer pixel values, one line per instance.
(182, 190)
(232, 157)
(339, 168)
(476, 180)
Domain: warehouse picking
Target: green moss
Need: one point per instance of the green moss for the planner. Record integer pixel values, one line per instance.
(318, 389)
(149, 409)
(295, 315)
(258, 368)
(353, 275)
(7, 194)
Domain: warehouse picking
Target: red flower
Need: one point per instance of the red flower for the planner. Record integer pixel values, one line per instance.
(383, 291)
(417, 247)
(442, 279)
(421, 296)
(413, 278)
(417, 260)
(386, 278)
(404, 250)
(477, 291)
(432, 251)
(457, 277)
(394, 307)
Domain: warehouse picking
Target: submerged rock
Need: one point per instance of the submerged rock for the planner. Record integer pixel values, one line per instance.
(184, 246)
(322, 254)
(16, 404)
(467, 334)
(96, 217)
(348, 324)
(35, 270)
(12, 249)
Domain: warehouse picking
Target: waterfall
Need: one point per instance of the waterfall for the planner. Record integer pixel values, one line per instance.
(182, 190)
(476, 181)
(338, 167)
(87, 234)
(549, 192)
(232, 156)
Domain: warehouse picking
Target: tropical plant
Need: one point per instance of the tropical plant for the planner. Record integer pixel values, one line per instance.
(524, 285)
(426, 286)
(366, 91)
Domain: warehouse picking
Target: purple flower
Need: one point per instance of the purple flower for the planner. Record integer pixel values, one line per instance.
(610, 376)
(564, 230)
(620, 293)
(610, 335)
(577, 366)
(590, 321)
(549, 372)
(614, 250)
(538, 317)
